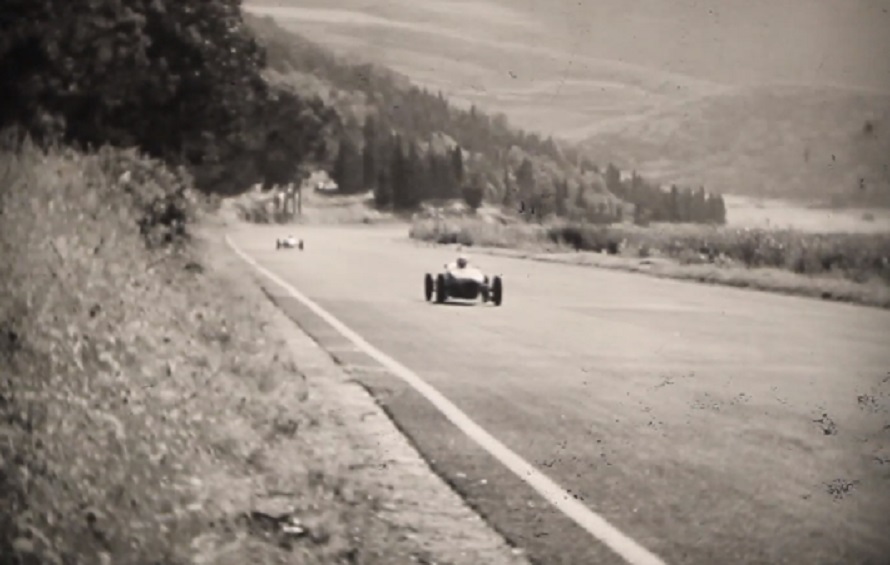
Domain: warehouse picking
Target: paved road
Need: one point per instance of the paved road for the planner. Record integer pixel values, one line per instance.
(710, 424)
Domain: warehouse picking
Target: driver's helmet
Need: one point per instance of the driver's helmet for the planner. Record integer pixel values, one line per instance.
(461, 262)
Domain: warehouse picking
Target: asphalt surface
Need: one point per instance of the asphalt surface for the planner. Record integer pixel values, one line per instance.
(709, 424)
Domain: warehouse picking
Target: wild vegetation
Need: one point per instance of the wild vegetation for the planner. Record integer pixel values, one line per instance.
(860, 258)
(180, 80)
(145, 405)
(410, 145)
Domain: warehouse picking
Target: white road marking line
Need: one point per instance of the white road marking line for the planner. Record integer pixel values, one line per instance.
(594, 524)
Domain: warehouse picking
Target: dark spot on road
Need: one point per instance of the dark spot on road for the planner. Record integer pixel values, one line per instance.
(867, 402)
(840, 488)
(827, 424)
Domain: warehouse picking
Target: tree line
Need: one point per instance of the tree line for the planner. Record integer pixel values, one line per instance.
(401, 172)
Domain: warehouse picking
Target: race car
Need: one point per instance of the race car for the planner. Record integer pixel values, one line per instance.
(289, 242)
(461, 281)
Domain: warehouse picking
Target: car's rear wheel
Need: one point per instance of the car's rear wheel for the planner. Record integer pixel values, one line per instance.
(301, 245)
(428, 287)
(497, 291)
(441, 293)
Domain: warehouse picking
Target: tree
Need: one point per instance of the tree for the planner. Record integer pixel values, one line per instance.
(698, 212)
(473, 192)
(348, 168)
(613, 180)
(369, 154)
(416, 176)
(717, 208)
(179, 79)
(525, 179)
(294, 132)
(674, 205)
(561, 196)
(580, 202)
(509, 198)
(457, 165)
(369, 167)
(399, 175)
(383, 191)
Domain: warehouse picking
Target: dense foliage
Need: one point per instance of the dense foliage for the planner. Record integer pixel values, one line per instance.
(180, 80)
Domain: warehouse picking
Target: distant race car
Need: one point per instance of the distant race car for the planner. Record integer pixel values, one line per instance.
(289, 242)
(460, 280)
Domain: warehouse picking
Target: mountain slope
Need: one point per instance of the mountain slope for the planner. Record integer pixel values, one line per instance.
(779, 141)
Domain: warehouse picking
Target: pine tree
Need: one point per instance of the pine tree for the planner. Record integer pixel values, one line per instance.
(473, 192)
(457, 165)
(509, 199)
(348, 168)
(525, 178)
(417, 183)
(383, 190)
(562, 195)
(369, 154)
(580, 202)
(613, 180)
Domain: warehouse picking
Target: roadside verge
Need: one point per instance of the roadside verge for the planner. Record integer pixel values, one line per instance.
(872, 293)
(357, 436)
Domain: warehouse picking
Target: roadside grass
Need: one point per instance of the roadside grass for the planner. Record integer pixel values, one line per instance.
(840, 266)
(148, 413)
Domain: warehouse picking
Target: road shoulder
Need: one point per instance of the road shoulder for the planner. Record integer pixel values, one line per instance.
(354, 437)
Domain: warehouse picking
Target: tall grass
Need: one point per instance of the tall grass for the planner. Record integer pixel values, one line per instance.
(88, 253)
(858, 257)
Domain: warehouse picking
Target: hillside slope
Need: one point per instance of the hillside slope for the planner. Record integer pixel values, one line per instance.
(389, 124)
(779, 141)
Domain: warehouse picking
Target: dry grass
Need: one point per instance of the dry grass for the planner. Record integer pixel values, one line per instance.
(848, 267)
(145, 404)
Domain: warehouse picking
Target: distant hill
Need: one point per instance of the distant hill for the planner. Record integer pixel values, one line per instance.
(402, 141)
(797, 142)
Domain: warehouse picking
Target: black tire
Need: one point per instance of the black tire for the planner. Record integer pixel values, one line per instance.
(428, 287)
(441, 291)
(497, 291)
(277, 244)
(300, 245)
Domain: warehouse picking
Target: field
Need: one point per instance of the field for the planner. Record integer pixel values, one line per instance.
(151, 413)
(766, 213)
(841, 266)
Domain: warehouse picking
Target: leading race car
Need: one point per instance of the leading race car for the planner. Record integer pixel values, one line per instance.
(461, 281)
(289, 242)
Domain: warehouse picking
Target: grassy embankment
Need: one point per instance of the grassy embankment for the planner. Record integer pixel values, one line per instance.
(146, 405)
(847, 267)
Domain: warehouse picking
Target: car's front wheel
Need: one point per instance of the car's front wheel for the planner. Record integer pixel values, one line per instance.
(441, 293)
(497, 291)
(428, 287)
